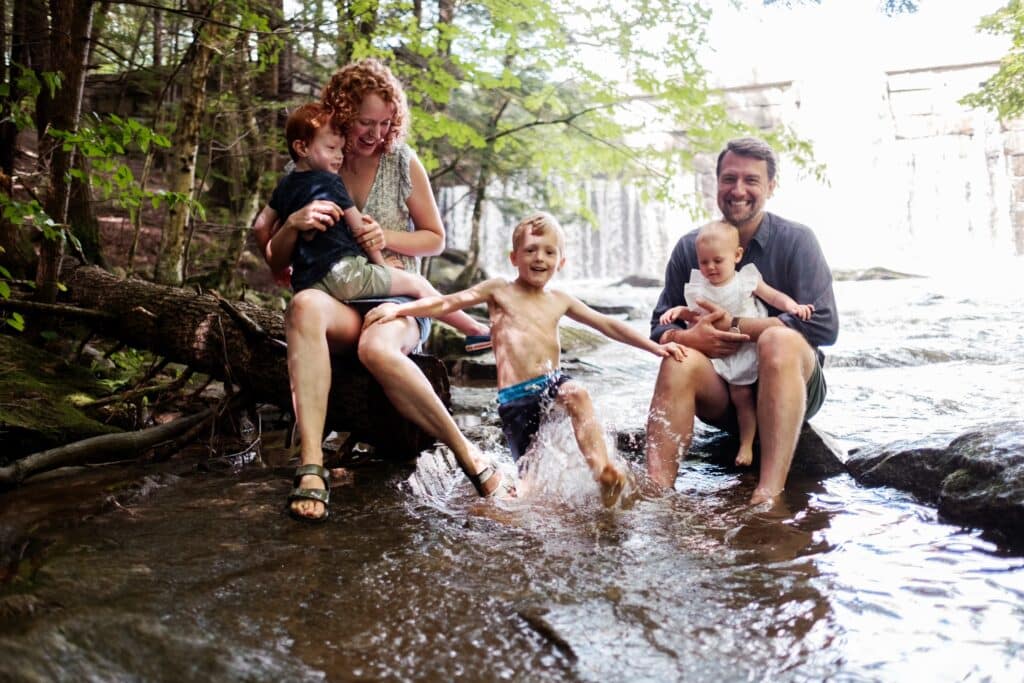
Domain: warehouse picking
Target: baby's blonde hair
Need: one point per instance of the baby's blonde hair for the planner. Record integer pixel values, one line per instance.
(538, 223)
(714, 230)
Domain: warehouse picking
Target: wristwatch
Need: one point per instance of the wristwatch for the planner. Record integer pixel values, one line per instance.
(735, 325)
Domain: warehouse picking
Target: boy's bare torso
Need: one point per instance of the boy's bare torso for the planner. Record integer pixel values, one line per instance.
(524, 330)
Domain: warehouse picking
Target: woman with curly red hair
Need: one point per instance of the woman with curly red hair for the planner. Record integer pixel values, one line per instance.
(391, 188)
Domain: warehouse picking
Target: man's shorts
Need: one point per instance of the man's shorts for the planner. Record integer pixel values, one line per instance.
(816, 390)
(353, 277)
(522, 406)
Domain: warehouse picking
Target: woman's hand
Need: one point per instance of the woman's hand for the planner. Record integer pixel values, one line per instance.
(370, 235)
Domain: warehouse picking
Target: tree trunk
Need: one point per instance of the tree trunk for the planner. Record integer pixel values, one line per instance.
(170, 264)
(158, 38)
(212, 336)
(468, 274)
(246, 159)
(71, 26)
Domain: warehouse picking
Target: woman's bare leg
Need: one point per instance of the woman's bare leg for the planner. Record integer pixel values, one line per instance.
(742, 396)
(383, 349)
(315, 324)
(410, 284)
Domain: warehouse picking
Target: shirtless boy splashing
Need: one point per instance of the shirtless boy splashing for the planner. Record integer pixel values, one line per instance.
(524, 317)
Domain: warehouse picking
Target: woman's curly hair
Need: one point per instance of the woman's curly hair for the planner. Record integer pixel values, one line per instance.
(348, 86)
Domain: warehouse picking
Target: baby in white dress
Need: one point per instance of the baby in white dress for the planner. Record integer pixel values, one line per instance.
(740, 294)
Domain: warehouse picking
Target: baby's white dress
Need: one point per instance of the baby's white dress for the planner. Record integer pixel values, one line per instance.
(737, 297)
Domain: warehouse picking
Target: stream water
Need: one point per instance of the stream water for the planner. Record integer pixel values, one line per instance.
(186, 573)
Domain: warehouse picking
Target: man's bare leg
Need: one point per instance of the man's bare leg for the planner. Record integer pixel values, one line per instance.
(590, 438)
(746, 415)
(314, 324)
(683, 390)
(383, 349)
(785, 364)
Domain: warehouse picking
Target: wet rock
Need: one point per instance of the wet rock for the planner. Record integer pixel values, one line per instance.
(448, 344)
(631, 312)
(870, 274)
(639, 281)
(445, 269)
(817, 454)
(976, 480)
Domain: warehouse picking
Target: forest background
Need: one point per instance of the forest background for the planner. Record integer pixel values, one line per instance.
(144, 136)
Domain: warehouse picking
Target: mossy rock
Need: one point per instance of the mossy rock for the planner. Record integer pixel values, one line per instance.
(42, 394)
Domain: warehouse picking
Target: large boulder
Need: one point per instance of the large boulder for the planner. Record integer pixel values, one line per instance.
(976, 480)
(817, 455)
(639, 281)
(445, 268)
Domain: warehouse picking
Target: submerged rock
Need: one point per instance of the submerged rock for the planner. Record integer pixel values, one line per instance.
(875, 273)
(976, 480)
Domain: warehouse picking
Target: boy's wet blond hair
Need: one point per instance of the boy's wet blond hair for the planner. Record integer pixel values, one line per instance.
(538, 223)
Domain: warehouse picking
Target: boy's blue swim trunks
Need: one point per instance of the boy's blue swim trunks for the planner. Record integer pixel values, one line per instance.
(522, 405)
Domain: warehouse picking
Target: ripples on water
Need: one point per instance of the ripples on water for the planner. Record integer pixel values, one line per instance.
(413, 578)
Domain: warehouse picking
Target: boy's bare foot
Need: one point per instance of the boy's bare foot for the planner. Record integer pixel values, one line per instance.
(612, 481)
(744, 456)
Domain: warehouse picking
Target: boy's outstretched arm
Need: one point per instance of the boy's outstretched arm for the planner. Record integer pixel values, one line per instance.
(432, 306)
(620, 331)
(782, 301)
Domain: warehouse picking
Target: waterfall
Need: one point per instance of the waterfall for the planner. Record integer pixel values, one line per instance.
(915, 181)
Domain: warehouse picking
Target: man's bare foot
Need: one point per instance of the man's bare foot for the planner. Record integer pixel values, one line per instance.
(612, 481)
(744, 456)
(763, 495)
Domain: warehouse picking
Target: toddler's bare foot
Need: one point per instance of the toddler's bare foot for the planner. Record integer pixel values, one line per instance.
(744, 456)
(612, 481)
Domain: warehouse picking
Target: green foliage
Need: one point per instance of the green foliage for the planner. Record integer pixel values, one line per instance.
(1003, 93)
(28, 85)
(105, 142)
(890, 7)
(130, 364)
(13, 319)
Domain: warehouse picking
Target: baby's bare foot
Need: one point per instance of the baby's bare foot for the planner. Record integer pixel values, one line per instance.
(744, 457)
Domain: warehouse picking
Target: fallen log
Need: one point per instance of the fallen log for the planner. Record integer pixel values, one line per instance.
(243, 344)
(104, 448)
